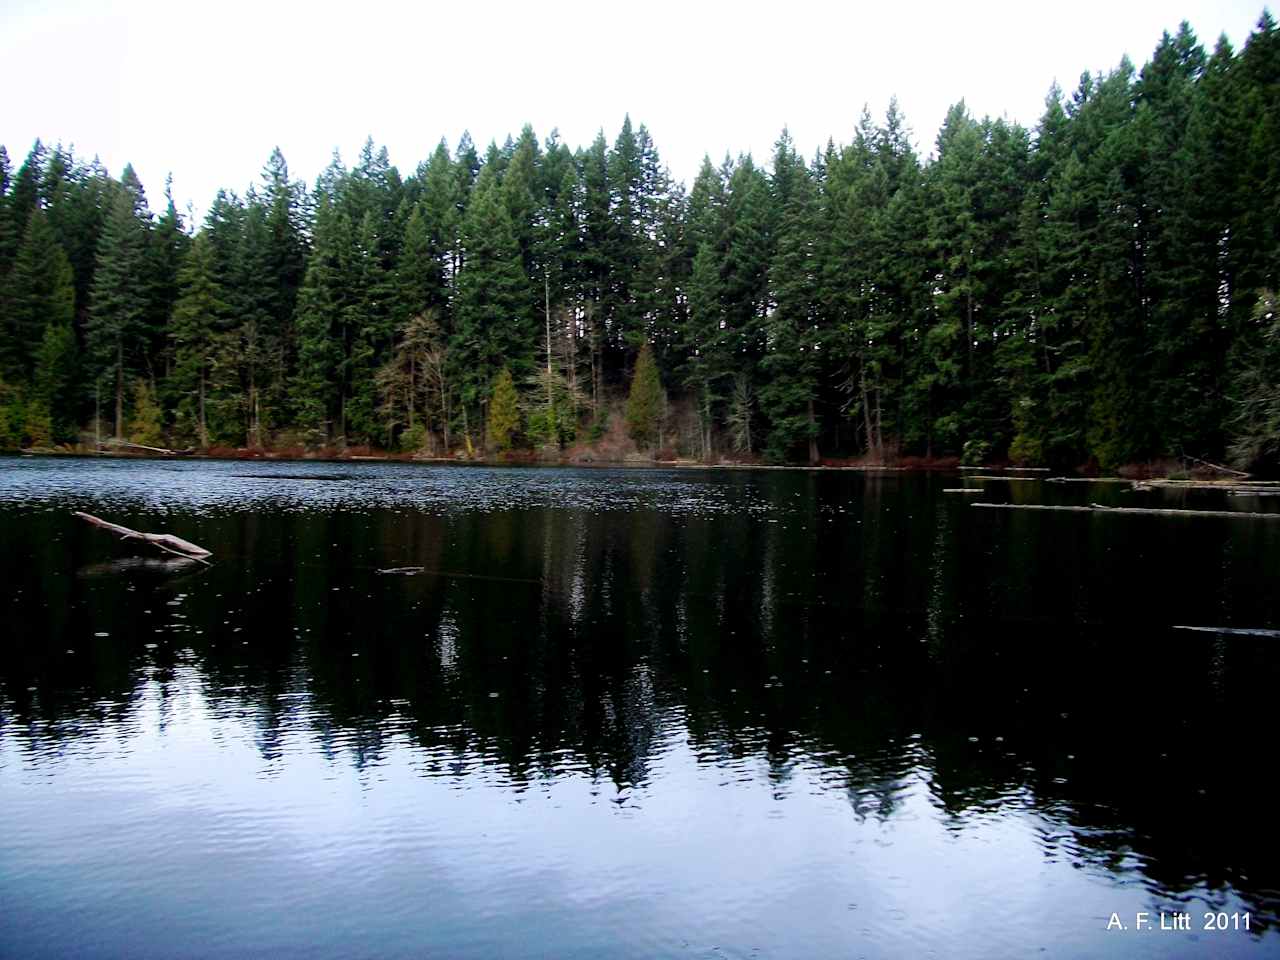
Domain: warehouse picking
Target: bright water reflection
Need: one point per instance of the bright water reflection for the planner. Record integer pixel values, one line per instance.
(646, 713)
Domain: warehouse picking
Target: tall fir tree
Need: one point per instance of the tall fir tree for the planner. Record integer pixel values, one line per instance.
(120, 302)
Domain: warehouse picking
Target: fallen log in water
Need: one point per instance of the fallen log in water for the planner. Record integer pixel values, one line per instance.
(1099, 508)
(1230, 486)
(165, 541)
(1023, 469)
(112, 442)
(963, 490)
(1217, 466)
(1234, 631)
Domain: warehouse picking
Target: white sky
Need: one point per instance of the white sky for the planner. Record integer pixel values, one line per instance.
(206, 90)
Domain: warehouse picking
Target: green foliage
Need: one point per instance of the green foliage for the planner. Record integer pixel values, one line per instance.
(503, 423)
(975, 453)
(146, 425)
(13, 417)
(1255, 422)
(494, 326)
(120, 305)
(198, 331)
(414, 440)
(414, 386)
(1027, 448)
(741, 414)
(646, 402)
(54, 383)
(41, 293)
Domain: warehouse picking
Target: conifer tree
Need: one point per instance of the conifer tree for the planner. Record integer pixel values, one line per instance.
(503, 420)
(198, 332)
(54, 382)
(646, 402)
(322, 301)
(9, 234)
(117, 326)
(493, 328)
(41, 293)
(791, 363)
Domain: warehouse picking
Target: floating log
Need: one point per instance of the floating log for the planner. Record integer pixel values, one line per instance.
(1020, 469)
(407, 571)
(985, 477)
(1216, 466)
(1234, 631)
(962, 490)
(1231, 486)
(138, 446)
(1087, 480)
(165, 541)
(1099, 508)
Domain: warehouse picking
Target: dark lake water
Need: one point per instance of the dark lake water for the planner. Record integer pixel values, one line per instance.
(628, 713)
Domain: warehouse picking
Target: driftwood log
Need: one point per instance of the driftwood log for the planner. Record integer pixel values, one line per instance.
(1099, 508)
(1234, 631)
(165, 541)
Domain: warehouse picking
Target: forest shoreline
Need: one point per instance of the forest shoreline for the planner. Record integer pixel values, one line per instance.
(1093, 291)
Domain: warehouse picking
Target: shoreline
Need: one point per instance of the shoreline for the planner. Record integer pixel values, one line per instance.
(1129, 473)
(916, 465)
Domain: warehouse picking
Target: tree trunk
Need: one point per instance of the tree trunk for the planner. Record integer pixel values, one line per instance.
(880, 421)
(813, 436)
(204, 429)
(444, 404)
(706, 421)
(410, 398)
(873, 444)
(119, 390)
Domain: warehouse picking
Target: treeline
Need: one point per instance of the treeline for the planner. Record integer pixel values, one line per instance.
(1094, 290)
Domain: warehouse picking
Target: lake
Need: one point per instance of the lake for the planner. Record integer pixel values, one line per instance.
(417, 710)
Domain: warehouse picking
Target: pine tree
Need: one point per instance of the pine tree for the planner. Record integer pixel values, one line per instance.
(322, 301)
(41, 293)
(503, 420)
(146, 424)
(9, 234)
(117, 326)
(1255, 420)
(54, 382)
(493, 328)
(420, 272)
(791, 363)
(23, 193)
(198, 333)
(646, 403)
(168, 245)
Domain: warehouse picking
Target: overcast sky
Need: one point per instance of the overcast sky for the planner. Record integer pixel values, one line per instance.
(206, 90)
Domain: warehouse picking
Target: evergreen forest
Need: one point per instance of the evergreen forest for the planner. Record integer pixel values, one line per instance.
(1093, 292)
